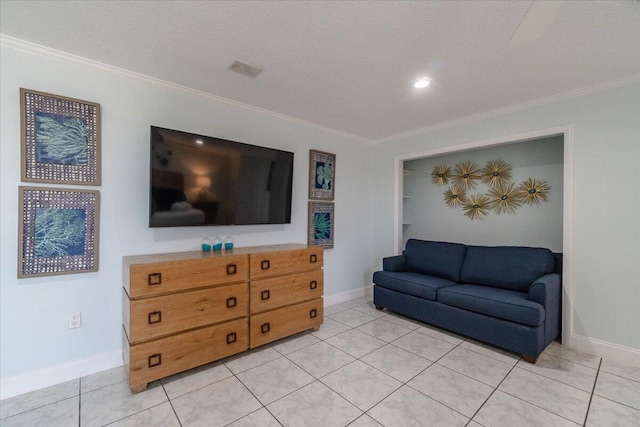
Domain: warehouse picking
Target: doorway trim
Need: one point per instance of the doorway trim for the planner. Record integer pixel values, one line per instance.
(567, 201)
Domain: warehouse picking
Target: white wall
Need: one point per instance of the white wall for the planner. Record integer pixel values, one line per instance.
(34, 311)
(540, 226)
(34, 339)
(606, 241)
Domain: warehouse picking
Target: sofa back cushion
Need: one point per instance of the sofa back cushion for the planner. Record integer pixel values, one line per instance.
(440, 259)
(508, 267)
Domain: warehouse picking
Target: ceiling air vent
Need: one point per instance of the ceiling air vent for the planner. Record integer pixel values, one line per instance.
(245, 69)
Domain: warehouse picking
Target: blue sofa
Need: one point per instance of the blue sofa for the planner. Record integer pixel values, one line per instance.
(506, 296)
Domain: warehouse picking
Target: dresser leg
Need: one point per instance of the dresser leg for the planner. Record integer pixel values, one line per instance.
(138, 388)
(316, 328)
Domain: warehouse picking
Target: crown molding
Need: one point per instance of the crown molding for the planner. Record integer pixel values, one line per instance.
(37, 49)
(514, 108)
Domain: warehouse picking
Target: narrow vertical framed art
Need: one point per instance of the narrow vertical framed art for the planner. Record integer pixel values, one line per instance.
(60, 139)
(322, 175)
(321, 224)
(58, 231)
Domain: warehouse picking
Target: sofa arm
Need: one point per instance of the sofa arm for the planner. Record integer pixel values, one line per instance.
(546, 290)
(393, 263)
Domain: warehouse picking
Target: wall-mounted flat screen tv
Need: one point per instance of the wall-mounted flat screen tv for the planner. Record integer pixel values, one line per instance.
(200, 180)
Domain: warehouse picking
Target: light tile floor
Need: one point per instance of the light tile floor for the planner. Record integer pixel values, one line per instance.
(362, 368)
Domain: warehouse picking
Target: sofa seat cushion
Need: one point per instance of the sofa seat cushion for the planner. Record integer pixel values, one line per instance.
(502, 303)
(440, 259)
(416, 284)
(507, 267)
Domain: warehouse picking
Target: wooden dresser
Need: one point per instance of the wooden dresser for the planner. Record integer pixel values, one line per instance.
(186, 309)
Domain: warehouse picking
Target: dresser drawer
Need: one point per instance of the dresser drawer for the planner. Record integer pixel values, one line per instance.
(267, 294)
(159, 278)
(158, 316)
(272, 325)
(285, 262)
(159, 358)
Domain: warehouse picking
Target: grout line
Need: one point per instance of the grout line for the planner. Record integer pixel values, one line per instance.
(8, 418)
(79, 402)
(389, 375)
(406, 383)
(540, 407)
(618, 403)
(593, 390)
(460, 373)
(492, 393)
(136, 413)
(402, 383)
(233, 374)
(253, 412)
(337, 348)
(555, 379)
(364, 414)
(533, 404)
(387, 342)
(252, 394)
(359, 359)
(273, 415)
(620, 376)
(170, 403)
(248, 352)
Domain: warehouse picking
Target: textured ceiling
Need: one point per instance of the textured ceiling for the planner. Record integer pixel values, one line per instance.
(348, 65)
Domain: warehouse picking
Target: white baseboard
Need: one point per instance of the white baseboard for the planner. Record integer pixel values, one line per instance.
(24, 383)
(52, 375)
(345, 296)
(368, 290)
(613, 352)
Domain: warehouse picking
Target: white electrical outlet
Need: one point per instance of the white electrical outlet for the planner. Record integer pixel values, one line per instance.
(74, 320)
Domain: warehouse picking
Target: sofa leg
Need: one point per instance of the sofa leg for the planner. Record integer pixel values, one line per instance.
(529, 359)
(379, 307)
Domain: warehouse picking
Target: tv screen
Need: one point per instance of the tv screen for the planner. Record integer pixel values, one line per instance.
(201, 180)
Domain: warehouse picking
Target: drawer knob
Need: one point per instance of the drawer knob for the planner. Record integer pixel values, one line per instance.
(266, 327)
(313, 284)
(232, 269)
(313, 258)
(231, 302)
(155, 360)
(231, 338)
(154, 279)
(155, 317)
(265, 295)
(264, 265)
(313, 313)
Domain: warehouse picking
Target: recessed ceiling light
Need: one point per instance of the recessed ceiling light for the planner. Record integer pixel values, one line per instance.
(422, 83)
(199, 142)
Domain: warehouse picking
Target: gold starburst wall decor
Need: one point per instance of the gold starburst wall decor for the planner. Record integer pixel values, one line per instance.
(532, 191)
(496, 172)
(475, 207)
(465, 175)
(504, 198)
(441, 175)
(454, 196)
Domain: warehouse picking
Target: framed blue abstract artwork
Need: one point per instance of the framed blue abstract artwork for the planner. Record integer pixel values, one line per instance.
(321, 224)
(60, 139)
(59, 230)
(322, 175)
